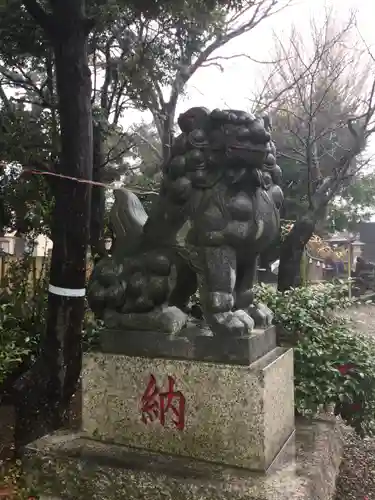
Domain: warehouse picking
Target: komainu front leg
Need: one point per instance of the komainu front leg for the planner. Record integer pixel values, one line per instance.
(259, 312)
(261, 315)
(217, 283)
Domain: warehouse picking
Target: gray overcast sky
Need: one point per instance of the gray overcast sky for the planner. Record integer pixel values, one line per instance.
(232, 88)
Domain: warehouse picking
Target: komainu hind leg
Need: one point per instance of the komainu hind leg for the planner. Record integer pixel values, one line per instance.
(217, 283)
(186, 285)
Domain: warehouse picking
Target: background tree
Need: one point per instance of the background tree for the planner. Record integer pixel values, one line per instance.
(322, 110)
(355, 204)
(143, 60)
(24, 140)
(167, 52)
(139, 57)
(52, 379)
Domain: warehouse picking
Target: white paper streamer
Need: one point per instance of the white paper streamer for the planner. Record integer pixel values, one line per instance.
(275, 267)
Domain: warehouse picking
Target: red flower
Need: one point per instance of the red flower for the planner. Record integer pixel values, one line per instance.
(346, 368)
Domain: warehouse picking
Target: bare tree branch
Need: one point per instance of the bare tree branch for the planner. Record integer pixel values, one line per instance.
(237, 56)
(149, 144)
(316, 90)
(23, 80)
(39, 14)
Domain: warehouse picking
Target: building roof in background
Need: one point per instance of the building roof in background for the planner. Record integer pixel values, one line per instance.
(344, 237)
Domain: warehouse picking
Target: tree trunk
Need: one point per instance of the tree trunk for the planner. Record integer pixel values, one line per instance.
(167, 130)
(72, 208)
(48, 387)
(97, 242)
(166, 140)
(291, 253)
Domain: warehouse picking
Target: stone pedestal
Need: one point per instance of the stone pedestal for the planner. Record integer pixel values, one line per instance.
(231, 414)
(179, 417)
(182, 417)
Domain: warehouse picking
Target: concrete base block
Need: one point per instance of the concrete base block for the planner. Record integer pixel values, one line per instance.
(67, 466)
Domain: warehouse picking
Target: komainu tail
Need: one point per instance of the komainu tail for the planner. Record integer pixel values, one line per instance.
(127, 217)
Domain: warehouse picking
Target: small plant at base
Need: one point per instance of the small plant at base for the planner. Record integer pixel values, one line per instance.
(91, 327)
(13, 482)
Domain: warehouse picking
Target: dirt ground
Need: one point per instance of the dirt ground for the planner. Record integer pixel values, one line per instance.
(357, 473)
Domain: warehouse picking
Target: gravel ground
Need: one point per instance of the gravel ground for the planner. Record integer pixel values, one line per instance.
(357, 474)
(363, 318)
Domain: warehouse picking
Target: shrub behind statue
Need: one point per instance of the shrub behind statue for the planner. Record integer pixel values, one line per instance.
(333, 364)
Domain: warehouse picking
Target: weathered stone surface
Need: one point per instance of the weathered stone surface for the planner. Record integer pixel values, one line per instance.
(237, 415)
(67, 466)
(167, 319)
(143, 343)
(238, 350)
(189, 344)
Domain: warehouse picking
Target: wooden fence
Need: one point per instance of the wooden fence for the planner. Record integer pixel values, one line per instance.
(38, 266)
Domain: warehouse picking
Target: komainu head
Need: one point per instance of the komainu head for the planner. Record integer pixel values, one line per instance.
(229, 145)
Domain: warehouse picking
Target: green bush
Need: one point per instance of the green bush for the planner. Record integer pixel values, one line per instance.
(333, 364)
(11, 355)
(23, 304)
(23, 311)
(91, 327)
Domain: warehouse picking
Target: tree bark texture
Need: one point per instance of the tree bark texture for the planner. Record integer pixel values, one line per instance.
(166, 139)
(166, 131)
(72, 199)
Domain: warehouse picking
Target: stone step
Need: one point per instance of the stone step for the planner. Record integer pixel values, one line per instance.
(72, 466)
(192, 343)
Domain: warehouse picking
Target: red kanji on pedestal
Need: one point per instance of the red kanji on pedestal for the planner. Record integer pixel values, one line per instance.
(150, 401)
(157, 405)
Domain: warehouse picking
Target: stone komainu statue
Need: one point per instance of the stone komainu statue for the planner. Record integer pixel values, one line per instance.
(217, 210)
